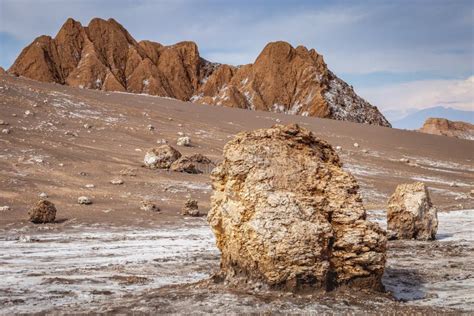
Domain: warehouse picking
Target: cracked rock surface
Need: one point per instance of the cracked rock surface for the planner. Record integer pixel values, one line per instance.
(287, 215)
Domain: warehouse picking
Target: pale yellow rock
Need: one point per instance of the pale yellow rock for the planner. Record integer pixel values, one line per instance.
(410, 213)
(286, 214)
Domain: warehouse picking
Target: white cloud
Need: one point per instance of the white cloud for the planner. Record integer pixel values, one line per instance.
(423, 94)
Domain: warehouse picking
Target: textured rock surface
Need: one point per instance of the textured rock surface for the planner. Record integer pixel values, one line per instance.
(196, 163)
(104, 56)
(161, 157)
(42, 212)
(440, 126)
(285, 213)
(190, 208)
(410, 213)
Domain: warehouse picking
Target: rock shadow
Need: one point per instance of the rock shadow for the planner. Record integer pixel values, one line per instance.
(405, 284)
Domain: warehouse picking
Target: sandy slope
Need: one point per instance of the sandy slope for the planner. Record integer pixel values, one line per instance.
(37, 156)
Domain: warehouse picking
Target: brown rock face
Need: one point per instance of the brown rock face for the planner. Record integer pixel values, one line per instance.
(410, 214)
(105, 56)
(43, 212)
(2, 71)
(196, 163)
(440, 126)
(286, 214)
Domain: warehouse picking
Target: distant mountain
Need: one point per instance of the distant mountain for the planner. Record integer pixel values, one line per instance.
(104, 56)
(416, 119)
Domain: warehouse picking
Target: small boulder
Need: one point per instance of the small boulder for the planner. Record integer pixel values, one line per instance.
(195, 164)
(149, 206)
(190, 208)
(84, 200)
(6, 131)
(43, 195)
(356, 145)
(5, 208)
(116, 181)
(42, 212)
(161, 157)
(184, 141)
(410, 213)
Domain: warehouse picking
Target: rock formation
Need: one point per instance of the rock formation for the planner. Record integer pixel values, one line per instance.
(2, 71)
(42, 212)
(161, 157)
(440, 126)
(285, 213)
(196, 163)
(410, 214)
(104, 56)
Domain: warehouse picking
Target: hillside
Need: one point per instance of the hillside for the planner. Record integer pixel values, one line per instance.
(104, 56)
(416, 119)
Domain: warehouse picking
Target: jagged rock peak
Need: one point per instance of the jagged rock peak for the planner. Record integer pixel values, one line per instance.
(104, 56)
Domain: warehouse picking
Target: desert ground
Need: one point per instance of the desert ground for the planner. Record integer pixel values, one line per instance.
(111, 256)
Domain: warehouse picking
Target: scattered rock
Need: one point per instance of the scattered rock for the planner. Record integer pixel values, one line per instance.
(161, 157)
(287, 215)
(6, 131)
(453, 184)
(162, 141)
(356, 145)
(2, 122)
(195, 164)
(84, 200)
(471, 193)
(43, 212)
(149, 206)
(116, 181)
(87, 126)
(410, 213)
(405, 160)
(69, 133)
(4, 208)
(28, 113)
(365, 151)
(43, 195)
(338, 148)
(184, 141)
(190, 208)
(151, 127)
(90, 186)
(83, 174)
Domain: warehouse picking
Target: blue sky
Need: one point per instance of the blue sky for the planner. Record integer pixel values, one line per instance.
(397, 54)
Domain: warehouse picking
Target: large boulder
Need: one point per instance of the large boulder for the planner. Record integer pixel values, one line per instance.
(42, 212)
(410, 213)
(285, 213)
(161, 157)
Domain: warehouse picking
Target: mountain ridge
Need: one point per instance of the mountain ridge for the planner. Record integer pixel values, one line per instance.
(104, 56)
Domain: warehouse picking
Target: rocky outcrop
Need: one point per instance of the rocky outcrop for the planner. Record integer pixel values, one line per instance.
(161, 157)
(285, 213)
(42, 212)
(2, 71)
(104, 56)
(440, 126)
(410, 213)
